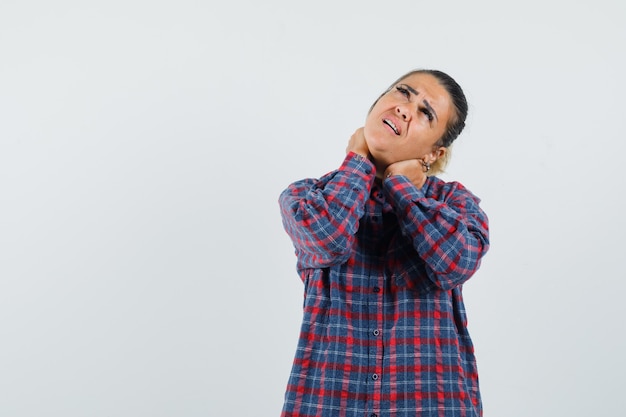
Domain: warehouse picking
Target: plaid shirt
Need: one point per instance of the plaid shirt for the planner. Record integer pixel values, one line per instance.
(384, 330)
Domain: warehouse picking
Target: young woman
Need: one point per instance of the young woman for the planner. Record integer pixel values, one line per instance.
(383, 248)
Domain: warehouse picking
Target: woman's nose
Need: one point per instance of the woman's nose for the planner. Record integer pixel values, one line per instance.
(403, 112)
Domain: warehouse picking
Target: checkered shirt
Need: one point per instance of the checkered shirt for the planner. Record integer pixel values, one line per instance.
(384, 330)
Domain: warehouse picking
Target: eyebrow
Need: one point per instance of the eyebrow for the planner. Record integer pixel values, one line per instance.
(426, 103)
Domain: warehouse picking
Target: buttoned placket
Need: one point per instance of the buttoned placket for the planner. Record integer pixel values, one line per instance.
(375, 313)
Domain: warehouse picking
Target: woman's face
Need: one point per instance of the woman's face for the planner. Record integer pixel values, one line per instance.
(408, 120)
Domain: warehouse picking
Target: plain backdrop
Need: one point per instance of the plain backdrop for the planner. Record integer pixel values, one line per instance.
(144, 270)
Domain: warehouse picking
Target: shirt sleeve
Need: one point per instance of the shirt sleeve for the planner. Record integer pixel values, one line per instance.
(321, 216)
(450, 232)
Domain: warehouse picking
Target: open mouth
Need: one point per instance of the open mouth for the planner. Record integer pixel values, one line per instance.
(391, 125)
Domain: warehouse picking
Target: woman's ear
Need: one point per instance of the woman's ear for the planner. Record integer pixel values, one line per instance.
(436, 154)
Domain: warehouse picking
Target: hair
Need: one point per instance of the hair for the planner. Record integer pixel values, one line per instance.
(456, 123)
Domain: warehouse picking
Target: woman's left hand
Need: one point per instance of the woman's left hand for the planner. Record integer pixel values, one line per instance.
(413, 169)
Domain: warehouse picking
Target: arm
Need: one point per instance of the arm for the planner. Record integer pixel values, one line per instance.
(448, 230)
(321, 216)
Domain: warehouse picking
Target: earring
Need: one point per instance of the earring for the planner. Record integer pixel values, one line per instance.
(425, 165)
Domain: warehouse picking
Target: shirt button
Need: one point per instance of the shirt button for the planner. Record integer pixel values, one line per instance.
(376, 332)
(375, 377)
(376, 289)
(373, 415)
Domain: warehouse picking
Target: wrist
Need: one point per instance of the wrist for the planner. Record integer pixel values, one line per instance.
(390, 172)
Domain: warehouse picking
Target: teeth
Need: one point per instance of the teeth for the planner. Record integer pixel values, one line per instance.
(391, 125)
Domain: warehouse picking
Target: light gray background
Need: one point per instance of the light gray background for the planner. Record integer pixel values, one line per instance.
(143, 144)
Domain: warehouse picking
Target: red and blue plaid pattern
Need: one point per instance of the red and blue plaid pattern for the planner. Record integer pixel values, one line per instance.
(384, 330)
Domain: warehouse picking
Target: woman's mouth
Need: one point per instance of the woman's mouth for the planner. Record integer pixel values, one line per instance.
(392, 125)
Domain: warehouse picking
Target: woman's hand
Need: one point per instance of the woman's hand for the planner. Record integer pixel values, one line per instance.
(413, 169)
(357, 144)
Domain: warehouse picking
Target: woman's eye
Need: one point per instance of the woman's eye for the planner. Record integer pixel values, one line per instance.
(428, 114)
(403, 91)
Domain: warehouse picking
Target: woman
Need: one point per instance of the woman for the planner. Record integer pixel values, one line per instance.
(383, 248)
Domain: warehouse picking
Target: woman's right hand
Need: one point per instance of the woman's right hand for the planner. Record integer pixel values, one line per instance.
(357, 144)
